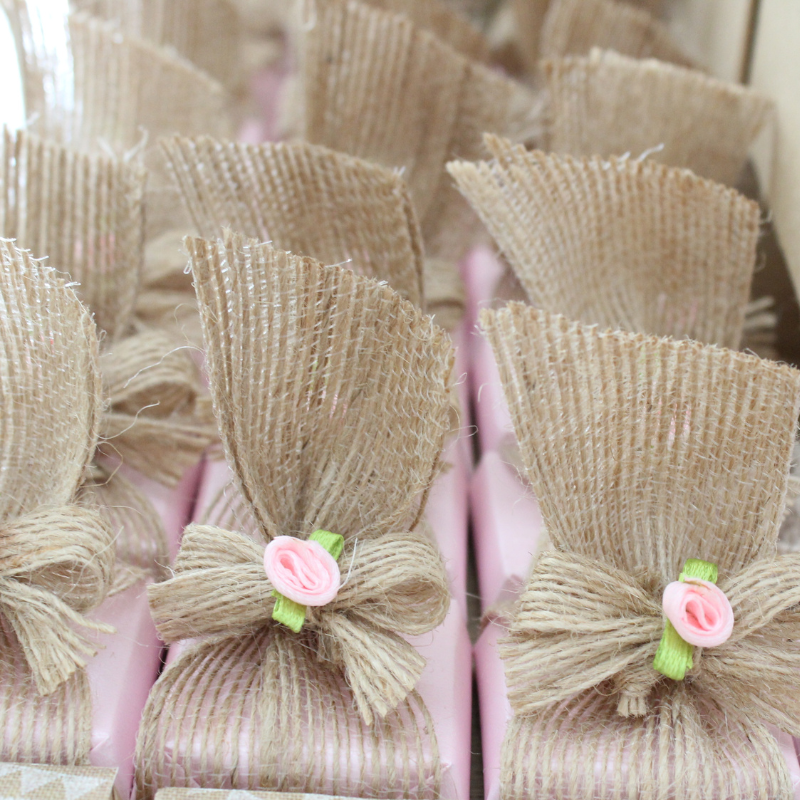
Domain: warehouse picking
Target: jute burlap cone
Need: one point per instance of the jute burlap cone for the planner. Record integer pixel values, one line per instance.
(205, 32)
(607, 104)
(574, 27)
(306, 199)
(644, 453)
(332, 399)
(58, 550)
(621, 243)
(85, 213)
(377, 87)
(443, 21)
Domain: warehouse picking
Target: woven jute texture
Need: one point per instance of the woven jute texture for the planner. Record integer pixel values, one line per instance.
(444, 22)
(621, 243)
(45, 782)
(332, 397)
(608, 104)
(57, 550)
(573, 27)
(85, 213)
(645, 452)
(205, 32)
(305, 199)
(377, 87)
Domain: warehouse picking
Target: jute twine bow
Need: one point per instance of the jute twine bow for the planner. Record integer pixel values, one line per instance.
(644, 453)
(331, 394)
(56, 556)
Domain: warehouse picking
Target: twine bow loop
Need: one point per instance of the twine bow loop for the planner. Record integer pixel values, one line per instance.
(354, 404)
(596, 624)
(55, 564)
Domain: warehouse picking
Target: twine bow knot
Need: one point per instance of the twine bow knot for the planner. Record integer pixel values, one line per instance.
(581, 623)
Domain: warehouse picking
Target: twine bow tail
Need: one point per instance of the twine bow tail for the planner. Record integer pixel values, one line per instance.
(381, 667)
(159, 420)
(60, 565)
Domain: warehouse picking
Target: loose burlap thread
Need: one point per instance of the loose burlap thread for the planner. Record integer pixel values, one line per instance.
(57, 560)
(347, 385)
(607, 104)
(574, 27)
(305, 199)
(621, 243)
(645, 452)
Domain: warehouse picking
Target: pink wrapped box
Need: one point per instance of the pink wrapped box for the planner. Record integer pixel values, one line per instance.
(496, 711)
(507, 529)
(446, 688)
(446, 513)
(481, 271)
(173, 504)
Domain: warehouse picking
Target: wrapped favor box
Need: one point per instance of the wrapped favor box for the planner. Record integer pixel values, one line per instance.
(496, 713)
(80, 651)
(652, 649)
(628, 244)
(315, 646)
(341, 210)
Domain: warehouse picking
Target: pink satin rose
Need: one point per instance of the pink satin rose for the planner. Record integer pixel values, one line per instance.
(303, 571)
(699, 612)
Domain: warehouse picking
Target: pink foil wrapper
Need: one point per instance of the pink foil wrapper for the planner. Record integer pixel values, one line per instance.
(507, 529)
(446, 688)
(446, 512)
(121, 676)
(496, 711)
(173, 504)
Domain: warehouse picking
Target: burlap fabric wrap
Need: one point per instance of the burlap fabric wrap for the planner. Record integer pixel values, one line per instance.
(574, 27)
(608, 104)
(44, 782)
(331, 394)
(305, 199)
(205, 32)
(95, 89)
(377, 87)
(529, 18)
(645, 452)
(57, 561)
(444, 22)
(619, 242)
(85, 213)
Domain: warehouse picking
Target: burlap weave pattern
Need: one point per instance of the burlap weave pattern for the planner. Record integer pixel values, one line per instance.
(442, 21)
(349, 386)
(85, 214)
(205, 32)
(645, 452)
(50, 386)
(377, 87)
(608, 104)
(573, 27)
(306, 199)
(618, 242)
